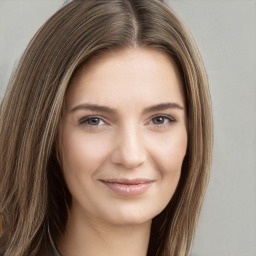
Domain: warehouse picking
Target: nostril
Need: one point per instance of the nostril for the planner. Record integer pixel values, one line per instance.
(129, 160)
(129, 149)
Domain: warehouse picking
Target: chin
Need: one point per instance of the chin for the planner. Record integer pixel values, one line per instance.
(128, 221)
(128, 217)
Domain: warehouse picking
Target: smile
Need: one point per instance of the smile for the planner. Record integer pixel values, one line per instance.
(128, 187)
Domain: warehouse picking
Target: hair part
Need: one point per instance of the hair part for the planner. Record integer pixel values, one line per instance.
(34, 195)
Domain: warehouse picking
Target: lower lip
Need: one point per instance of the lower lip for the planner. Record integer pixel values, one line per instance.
(128, 189)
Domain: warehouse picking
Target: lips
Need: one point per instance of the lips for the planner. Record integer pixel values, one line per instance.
(128, 187)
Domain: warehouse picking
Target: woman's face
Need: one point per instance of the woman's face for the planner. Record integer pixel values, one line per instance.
(123, 136)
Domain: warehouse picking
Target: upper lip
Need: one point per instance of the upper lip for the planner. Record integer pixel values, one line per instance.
(128, 181)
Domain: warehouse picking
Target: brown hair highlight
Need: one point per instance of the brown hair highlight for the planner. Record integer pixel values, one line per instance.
(33, 191)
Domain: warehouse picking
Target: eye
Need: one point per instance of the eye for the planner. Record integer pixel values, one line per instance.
(92, 121)
(162, 120)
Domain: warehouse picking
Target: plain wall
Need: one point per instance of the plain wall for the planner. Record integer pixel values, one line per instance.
(226, 35)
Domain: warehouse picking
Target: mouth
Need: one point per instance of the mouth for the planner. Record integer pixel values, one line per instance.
(128, 187)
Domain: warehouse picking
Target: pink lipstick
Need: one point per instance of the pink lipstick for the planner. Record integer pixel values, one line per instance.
(128, 187)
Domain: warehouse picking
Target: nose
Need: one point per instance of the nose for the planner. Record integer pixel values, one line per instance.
(129, 150)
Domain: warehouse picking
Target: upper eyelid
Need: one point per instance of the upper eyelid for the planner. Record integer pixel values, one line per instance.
(92, 116)
(165, 116)
(172, 121)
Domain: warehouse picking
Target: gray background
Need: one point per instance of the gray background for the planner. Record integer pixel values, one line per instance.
(225, 31)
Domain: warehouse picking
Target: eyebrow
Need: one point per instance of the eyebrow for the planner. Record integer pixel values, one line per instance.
(153, 108)
(94, 107)
(163, 106)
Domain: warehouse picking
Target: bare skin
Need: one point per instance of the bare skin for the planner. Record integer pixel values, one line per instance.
(123, 139)
(101, 239)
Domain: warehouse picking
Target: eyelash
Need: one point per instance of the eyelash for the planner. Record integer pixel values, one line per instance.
(170, 120)
(85, 121)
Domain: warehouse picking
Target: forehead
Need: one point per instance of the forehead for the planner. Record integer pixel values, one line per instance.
(133, 74)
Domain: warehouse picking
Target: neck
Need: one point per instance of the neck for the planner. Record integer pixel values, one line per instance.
(95, 237)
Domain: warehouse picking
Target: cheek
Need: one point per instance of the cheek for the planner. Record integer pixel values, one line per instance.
(168, 157)
(82, 156)
(170, 151)
(80, 152)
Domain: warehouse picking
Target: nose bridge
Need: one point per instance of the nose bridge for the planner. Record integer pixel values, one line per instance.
(129, 150)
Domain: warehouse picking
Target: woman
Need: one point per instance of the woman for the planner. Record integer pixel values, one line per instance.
(106, 135)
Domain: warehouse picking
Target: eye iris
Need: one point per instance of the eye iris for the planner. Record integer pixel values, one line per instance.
(158, 120)
(93, 121)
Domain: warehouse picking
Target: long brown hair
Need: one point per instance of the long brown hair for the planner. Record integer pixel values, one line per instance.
(34, 196)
